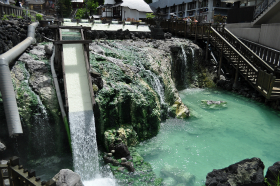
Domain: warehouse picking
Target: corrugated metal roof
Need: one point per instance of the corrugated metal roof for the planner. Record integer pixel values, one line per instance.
(139, 5)
(168, 3)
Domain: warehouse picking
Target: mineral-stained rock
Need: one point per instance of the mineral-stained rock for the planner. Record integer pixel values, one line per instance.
(96, 49)
(67, 177)
(49, 48)
(273, 174)
(248, 172)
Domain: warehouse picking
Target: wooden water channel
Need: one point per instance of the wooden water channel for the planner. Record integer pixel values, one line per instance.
(262, 76)
(59, 59)
(18, 176)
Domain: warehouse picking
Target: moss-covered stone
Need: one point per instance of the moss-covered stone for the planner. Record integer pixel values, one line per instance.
(143, 174)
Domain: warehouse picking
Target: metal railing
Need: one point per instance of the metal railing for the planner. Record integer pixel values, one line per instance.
(262, 7)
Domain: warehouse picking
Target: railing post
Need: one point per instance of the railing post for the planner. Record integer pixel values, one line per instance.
(195, 31)
(236, 73)
(202, 33)
(271, 84)
(186, 27)
(207, 44)
(220, 64)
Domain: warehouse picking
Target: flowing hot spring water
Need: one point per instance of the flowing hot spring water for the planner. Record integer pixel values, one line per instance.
(214, 138)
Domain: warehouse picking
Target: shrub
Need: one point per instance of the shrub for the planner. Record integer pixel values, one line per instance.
(81, 13)
(39, 17)
(150, 15)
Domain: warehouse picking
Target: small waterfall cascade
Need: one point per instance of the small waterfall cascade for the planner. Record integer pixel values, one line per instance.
(184, 55)
(155, 83)
(84, 146)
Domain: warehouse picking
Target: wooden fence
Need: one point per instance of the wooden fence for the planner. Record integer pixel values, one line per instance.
(18, 176)
(17, 11)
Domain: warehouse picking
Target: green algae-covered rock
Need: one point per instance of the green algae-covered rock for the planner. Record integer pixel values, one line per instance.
(213, 105)
(126, 134)
(138, 88)
(143, 173)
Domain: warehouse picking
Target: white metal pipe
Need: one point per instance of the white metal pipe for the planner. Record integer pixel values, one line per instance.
(6, 85)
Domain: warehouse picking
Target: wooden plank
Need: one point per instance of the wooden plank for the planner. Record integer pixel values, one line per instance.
(72, 42)
(69, 27)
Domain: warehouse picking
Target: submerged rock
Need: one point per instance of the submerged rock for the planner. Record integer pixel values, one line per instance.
(273, 174)
(248, 172)
(215, 105)
(67, 177)
(177, 174)
(169, 181)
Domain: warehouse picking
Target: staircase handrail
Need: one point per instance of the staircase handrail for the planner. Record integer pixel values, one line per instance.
(261, 7)
(236, 51)
(259, 60)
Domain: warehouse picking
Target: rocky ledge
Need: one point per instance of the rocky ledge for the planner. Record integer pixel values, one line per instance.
(248, 172)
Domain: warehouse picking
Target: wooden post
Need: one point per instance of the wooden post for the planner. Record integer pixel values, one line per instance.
(185, 33)
(236, 73)
(220, 65)
(207, 44)
(202, 33)
(195, 31)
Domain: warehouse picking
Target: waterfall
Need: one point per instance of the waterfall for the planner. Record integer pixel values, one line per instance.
(155, 83)
(184, 54)
(84, 146)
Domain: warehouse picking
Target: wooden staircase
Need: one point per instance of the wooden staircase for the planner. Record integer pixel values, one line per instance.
(260, 75)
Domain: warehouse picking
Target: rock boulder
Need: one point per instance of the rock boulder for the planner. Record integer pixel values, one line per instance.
(248, 172)
(273, 173)
(67, 177)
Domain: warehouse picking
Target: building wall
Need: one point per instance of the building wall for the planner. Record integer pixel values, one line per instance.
(128, 13)
(270, 36)
(266, 35)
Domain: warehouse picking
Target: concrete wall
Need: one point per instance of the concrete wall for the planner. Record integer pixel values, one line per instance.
(270, 35)
(267, 34)
(251, 34)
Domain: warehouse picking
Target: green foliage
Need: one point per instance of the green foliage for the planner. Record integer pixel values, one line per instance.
(81, 13)
(13, 15)
(150, 15)
(19, 17)
(148, 1)
(39, 17)
(275, 182)
(92, 6)
(5, 17)
(33, 19)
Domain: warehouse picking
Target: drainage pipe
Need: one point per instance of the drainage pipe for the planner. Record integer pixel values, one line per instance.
(6, 85)
(58, 94)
